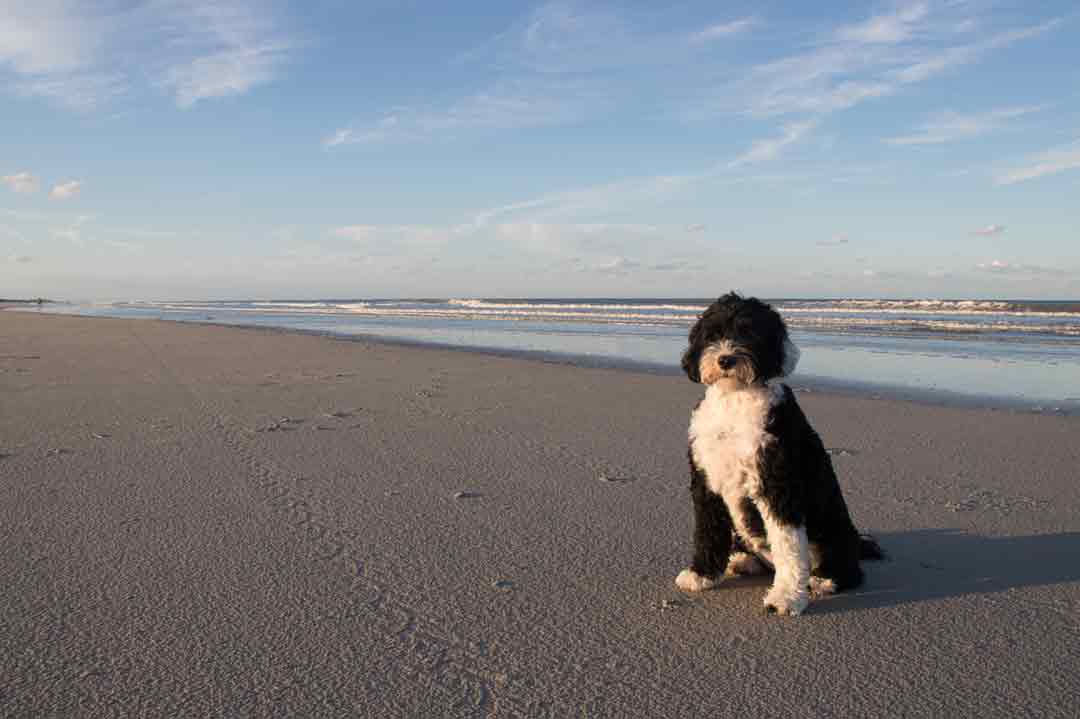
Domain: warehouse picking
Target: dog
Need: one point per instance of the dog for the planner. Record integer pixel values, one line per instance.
(764, 490)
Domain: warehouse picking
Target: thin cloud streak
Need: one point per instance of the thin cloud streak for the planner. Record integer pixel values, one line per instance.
(1019, 269)
(724, 30)
(857, 63)
(762, 150)
(889, 28)
(1050, 162)
(500, 107)
(950, 126)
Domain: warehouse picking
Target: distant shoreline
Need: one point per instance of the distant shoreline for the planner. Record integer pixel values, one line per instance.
(803, 383)
(36, 301)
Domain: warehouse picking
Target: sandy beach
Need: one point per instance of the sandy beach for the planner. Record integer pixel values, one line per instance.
(206, 521)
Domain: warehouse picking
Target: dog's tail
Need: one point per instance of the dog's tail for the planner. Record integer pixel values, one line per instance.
(869, 548)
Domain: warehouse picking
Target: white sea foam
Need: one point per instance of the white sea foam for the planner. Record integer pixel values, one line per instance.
(637, 306)
(891, 317)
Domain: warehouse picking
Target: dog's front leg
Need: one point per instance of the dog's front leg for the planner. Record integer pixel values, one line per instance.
(712, 537)
(791, 558)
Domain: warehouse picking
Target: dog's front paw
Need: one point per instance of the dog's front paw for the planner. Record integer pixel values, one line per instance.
(690, 581)
(786, 602)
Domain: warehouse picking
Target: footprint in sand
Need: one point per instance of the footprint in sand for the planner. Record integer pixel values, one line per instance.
(285, 424)
(341, 414)
(615, 478)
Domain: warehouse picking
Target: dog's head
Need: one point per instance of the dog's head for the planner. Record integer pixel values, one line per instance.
(737, 342)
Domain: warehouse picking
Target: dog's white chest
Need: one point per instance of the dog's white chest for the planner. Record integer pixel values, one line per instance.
(727, 432)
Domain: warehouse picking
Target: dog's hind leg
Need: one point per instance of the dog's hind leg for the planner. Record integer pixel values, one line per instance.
(712, 538)
(836, 545)
(837, 566)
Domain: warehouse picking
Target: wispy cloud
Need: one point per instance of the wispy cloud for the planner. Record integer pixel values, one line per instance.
(1050, 162)
(568, 61)
(22, 182)
(725, 29)
(678, 265)
(768, 149)
(595, 200)
(83, 55)
(873, 59)
(571, 38)
(560, 63)
(959, 55)
(502, 106)
(228, 72)
(81, 92)
(236, 46)
(604, 249)
(66, 190)
(949, 126)
(49, 36)
(342, 136)
(1019, 269)
(391, 239)
(20, 259)
(622, 266)
(989, 230)
(888, 28)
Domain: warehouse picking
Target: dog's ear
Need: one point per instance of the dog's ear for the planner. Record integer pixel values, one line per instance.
(784, 353)
(791, 357)
(691, 358)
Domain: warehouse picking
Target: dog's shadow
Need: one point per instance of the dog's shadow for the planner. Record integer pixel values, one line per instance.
(934, 564)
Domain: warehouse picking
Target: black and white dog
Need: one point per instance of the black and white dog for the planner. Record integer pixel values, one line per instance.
(764, 488)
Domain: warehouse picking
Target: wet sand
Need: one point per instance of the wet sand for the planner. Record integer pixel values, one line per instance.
(208, 521)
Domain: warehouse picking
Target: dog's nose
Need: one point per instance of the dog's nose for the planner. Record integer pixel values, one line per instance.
(727, 362)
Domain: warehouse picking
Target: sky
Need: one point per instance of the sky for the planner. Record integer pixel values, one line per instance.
(217, 149)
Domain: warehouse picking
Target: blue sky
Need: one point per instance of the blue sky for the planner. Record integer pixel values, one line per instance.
(264, 148)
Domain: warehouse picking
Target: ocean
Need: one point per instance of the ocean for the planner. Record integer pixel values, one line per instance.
(1009, 353)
